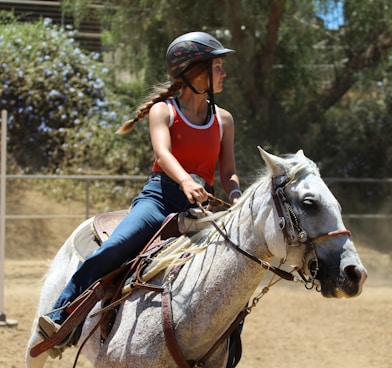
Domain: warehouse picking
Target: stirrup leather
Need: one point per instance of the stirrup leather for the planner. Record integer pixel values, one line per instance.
(60, 338)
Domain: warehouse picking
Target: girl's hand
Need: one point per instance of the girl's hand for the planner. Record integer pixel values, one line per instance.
(194, 191)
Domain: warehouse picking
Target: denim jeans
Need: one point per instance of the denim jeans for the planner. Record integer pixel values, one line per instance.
(159, 197)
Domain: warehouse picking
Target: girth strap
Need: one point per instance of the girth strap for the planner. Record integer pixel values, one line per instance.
(241, 317)
(171, 340)
(168, 329)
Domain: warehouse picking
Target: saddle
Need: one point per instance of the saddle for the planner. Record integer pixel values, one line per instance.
(105, 223)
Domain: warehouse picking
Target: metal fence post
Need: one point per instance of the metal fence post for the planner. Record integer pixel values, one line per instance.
(87, 199)
(4, 119)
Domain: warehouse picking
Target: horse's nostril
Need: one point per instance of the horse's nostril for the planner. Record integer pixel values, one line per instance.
(353, 273)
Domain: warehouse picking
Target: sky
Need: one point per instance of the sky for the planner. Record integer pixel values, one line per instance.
(332, 14)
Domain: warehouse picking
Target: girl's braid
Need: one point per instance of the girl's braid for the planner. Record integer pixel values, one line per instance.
(159, 93)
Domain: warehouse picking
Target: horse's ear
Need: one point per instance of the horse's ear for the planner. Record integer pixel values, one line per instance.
(300, 153)
(275, 163)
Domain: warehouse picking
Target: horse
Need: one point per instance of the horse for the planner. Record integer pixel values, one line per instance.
(288, 214)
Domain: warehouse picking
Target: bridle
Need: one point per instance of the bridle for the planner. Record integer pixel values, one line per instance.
(293, 234)
(288, 220)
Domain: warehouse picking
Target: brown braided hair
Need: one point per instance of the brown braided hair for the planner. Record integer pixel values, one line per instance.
(161, 92)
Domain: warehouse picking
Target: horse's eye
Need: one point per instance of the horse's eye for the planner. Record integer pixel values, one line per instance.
(309, 202)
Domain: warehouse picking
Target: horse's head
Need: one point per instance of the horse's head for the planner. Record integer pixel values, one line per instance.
(317, 242)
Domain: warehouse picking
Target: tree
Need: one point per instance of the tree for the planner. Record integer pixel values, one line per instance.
(291, 74)
(290, 68)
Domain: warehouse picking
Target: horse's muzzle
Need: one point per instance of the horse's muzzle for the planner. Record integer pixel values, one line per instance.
(354, 278)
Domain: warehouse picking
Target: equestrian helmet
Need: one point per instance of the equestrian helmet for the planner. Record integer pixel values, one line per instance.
(190, 48)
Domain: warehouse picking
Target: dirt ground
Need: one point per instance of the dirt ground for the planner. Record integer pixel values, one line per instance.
(290, 326)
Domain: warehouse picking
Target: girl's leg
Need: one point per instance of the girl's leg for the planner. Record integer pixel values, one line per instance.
(130, 236)
(157, 200)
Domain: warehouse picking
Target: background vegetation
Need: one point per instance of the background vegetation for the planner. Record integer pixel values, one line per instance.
(295, 81)
(307, 74)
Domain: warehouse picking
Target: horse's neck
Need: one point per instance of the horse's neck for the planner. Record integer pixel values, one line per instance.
(225, 278)
(252, 224)
(210, 292)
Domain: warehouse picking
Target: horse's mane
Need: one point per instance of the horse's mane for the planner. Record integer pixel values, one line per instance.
(187, 246)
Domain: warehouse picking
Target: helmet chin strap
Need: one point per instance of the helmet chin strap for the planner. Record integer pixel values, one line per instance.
(210, 90)
(186, 81)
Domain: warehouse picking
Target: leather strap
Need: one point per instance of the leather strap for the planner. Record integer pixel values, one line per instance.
(88, 300)
(78, 311)
(233, 327)
(171, 340)
(168, 329)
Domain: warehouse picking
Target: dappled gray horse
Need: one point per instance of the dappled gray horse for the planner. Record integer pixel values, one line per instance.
(288, 214)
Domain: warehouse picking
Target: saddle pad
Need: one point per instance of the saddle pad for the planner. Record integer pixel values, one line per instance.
(83, 240)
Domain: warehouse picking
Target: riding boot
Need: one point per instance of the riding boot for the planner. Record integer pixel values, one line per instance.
(47, 328)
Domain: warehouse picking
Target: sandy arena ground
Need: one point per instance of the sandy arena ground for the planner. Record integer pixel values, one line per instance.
(289, 327)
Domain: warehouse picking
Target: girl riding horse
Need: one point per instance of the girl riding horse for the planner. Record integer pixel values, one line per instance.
(189, 135)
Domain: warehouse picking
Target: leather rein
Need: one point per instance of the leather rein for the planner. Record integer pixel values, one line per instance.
(293, 233)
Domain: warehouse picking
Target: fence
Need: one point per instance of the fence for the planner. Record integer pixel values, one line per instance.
(88, 179)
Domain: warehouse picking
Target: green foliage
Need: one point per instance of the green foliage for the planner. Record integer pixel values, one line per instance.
(62, 110)
(293, 82)
(359, 135)
(79, 8)
(288, 75)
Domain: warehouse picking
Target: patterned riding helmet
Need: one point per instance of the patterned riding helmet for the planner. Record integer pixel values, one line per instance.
(190, 48)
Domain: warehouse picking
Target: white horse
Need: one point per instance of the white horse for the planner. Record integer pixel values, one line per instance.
(288, 214)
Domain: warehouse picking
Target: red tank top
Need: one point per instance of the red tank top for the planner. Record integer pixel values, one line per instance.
(196, 147)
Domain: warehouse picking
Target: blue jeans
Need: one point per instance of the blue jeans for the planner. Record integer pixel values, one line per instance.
(159, 197)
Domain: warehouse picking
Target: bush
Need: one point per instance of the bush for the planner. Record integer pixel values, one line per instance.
(62, 111)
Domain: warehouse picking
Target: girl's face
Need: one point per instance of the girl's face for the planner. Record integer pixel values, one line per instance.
(202, 81)
(218, 74)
